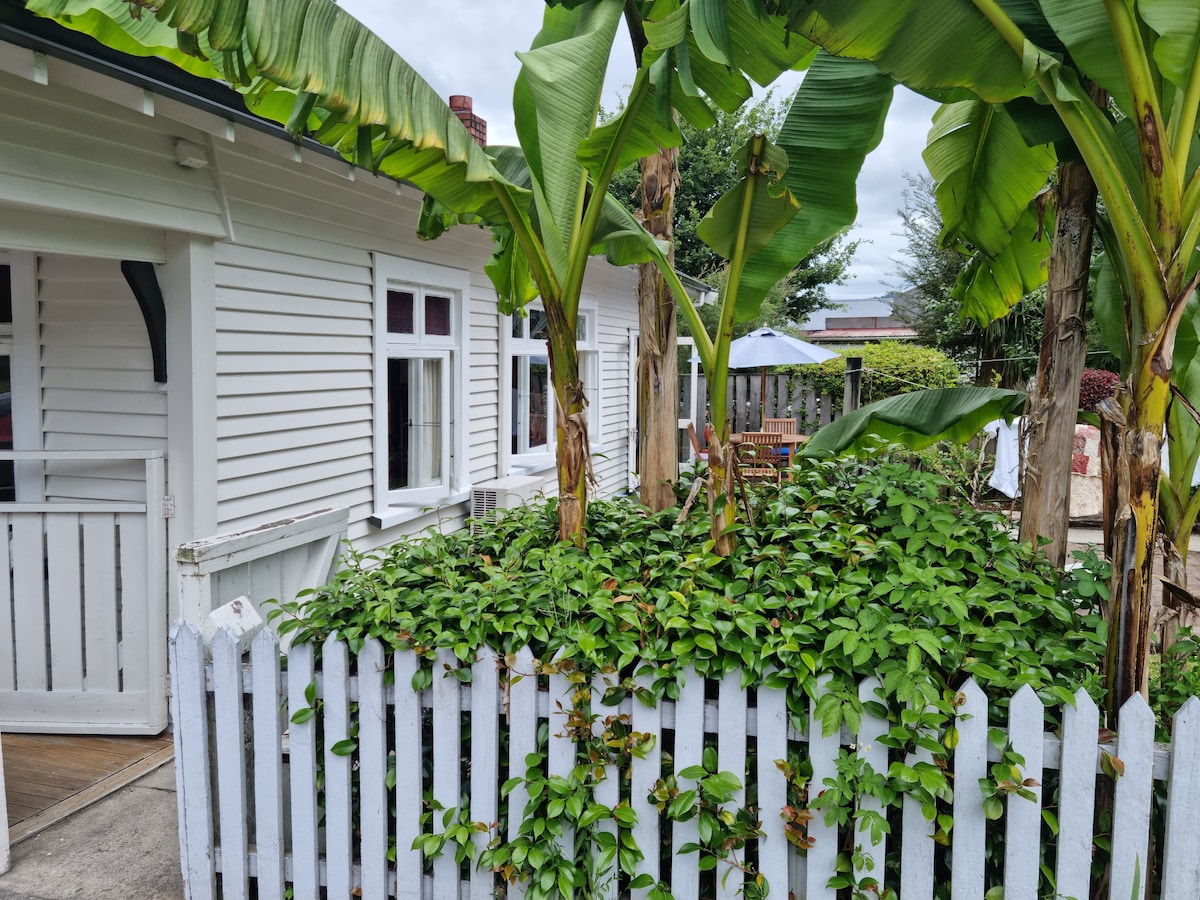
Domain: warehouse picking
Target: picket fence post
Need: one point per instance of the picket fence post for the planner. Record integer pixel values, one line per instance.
(189, 712)
(1181, 856)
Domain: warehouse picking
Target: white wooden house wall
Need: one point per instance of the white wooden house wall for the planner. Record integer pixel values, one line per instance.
(278, 322)
(97, 383)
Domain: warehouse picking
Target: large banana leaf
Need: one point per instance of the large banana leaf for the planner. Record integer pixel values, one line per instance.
(986, 175)
(917, 419)
(989, 286)
(1177, 51)
(287, 49)
(1084, 28)
(835, 120)
(556, 101)
(930, 45)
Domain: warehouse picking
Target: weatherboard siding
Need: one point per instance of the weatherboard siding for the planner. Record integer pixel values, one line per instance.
(97, 160)
(294, 342)
(97, 388)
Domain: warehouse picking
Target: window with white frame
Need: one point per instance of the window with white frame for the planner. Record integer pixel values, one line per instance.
(420, 329)
(531, 407)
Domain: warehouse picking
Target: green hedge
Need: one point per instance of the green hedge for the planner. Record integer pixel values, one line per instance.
(889, 368)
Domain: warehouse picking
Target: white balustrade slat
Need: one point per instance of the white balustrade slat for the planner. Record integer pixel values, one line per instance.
(372, 760)
(773, 846)
(916, 841)
(560, 754)
(970, 764)
(644, 772)
(875, 754)
(822, 855)
(522, 740)
(135, 603)
(189, 712)
(231, 763)
(302, 760)
(100, 602)
(65, 601)
(689, 751)
(29, 616)
(408, 777)
(1076, 796)
(266, 685)
(731, 757)
(1181, 853)
(485, 763)
(607, 793)
(447, 751)
(1023, 825)
(1131, 798)
(7, 683)
(339, 845)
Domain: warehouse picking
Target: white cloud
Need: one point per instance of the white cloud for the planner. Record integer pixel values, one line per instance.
(469, 47)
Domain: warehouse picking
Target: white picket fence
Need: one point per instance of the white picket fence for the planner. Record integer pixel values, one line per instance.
(251, 811)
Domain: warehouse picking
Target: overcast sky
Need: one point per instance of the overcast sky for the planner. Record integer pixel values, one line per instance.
(469, 46)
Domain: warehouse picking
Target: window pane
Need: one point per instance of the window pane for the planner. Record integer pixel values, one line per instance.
(5, 294)
(6, 442)
(400, 312)
(539, 329)
(581, 329)
(437, 314)
(518, 327)
(531, 392)
(415, 389)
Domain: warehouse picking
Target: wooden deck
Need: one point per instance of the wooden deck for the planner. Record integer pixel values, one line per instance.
(51, 776)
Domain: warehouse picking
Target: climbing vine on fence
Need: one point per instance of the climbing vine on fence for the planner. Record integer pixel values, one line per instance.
(849, 570)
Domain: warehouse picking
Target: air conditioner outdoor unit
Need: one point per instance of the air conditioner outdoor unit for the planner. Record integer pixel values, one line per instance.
(502, 493)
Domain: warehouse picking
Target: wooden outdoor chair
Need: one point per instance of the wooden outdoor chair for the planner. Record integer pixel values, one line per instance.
(760, 456)
(780, 426)
(700, 452)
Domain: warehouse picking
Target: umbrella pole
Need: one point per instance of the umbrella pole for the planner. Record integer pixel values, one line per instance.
(762, 412)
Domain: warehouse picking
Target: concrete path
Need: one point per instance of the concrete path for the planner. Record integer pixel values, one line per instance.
(125, 846)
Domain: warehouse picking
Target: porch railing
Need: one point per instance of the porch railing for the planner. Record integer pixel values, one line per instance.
(360, 720)
(83, 599)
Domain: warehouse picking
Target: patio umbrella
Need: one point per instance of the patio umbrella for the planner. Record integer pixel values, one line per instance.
(767, 347)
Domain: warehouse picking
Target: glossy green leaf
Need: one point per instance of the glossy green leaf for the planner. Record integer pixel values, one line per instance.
(917, 420)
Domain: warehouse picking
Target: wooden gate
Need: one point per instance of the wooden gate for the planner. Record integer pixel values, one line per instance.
(83, 606)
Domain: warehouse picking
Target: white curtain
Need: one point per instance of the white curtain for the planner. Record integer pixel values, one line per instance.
(429, 449)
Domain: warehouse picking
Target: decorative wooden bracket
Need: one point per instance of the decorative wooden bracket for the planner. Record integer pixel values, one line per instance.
(143, 282)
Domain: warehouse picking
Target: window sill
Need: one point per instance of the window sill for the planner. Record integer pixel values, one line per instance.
(544, 464)
(392, 516)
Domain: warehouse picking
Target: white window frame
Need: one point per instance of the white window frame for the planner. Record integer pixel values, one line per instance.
(589, 369)
(421, 278)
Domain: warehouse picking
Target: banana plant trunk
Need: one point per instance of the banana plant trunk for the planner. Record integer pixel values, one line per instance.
(1137, 463)
(722, 502)
(658, 368)
(1046, 491)
(571, 454)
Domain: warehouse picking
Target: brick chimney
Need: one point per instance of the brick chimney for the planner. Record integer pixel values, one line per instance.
(461, 105)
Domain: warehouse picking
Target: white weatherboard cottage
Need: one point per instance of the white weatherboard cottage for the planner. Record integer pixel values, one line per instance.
(213, 328)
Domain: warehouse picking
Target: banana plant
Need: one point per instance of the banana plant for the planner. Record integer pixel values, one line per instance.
(1144, 54)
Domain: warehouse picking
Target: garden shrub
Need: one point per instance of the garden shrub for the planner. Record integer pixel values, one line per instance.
(1096, 385)
(889, 368)
(848, 571)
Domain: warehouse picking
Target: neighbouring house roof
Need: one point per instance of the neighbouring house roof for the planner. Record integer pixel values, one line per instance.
(859, 335)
